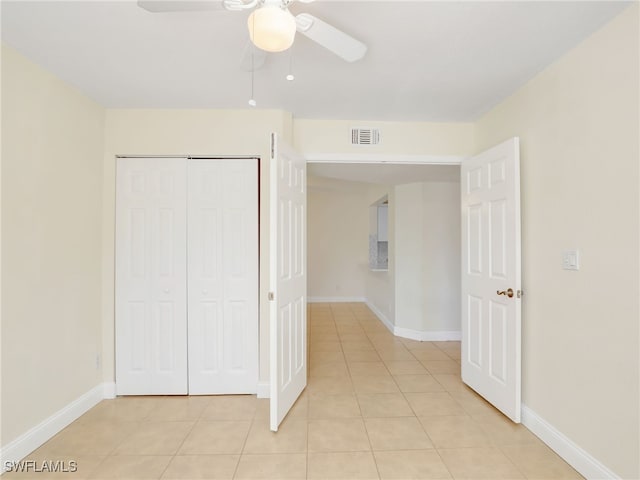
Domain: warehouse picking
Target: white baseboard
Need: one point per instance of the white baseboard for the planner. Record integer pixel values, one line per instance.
(418, 335)
(575, 456)
(38, 435)
(264, 390)
(335, 299)
(381, 316)
(442, 336)
(109, 391)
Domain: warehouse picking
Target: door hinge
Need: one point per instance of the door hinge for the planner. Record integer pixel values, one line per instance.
(272, 296)
(273, 146)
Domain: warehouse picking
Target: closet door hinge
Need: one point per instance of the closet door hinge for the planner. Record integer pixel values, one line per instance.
(272, 296)
(273, 146)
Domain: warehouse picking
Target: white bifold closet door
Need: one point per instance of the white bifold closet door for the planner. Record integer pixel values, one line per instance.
(186, 276)
(151, 276)
(223, 276)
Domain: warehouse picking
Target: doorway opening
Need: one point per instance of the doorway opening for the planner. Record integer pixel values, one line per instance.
(408, 274)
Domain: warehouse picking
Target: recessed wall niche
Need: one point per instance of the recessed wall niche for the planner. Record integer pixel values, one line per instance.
(379, 235)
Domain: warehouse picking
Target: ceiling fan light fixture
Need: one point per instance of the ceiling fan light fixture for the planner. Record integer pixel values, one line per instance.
(272, 28)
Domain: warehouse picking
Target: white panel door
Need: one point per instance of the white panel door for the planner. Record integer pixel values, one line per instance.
(288, 254)
(150, 302)
(223, 276)
(491, 283)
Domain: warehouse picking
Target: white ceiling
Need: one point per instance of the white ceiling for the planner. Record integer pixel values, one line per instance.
(431, 61)
(385, 174)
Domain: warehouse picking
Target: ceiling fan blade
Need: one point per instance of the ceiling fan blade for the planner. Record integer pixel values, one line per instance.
(161, 6)
(338, 42)
(259, 56)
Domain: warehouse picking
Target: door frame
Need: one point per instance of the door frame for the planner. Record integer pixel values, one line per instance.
(401, 159)
(390, 159)
(385, 158)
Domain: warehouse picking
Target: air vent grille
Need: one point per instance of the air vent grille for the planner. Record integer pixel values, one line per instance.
(365, 136)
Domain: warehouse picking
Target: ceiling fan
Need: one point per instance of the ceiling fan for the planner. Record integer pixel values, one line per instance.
(271, 26)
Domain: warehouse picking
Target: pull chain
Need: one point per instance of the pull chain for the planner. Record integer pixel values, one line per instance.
(252, 101)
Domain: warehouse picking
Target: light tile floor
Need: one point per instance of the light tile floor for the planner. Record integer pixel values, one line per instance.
(376, 406)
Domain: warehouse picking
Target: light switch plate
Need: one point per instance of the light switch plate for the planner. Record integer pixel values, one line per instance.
(571, 260)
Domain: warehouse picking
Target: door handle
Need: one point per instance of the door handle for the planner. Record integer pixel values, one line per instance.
(508, 293)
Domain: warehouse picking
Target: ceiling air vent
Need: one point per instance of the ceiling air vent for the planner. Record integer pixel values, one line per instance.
(365, 136)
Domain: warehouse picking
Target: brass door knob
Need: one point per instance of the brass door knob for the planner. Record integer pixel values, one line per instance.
(508, 293)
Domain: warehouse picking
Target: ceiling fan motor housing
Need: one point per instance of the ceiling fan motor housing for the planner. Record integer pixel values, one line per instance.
(272, 28)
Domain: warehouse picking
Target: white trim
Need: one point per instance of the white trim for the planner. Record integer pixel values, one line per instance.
(109, 390)
(583, 462)
(428, 336)
(421, 336)
(335, 299)
(263, 390)
(383, 158)
(381, 316)
(38, 435)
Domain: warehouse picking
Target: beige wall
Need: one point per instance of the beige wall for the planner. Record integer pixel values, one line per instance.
(427, 256)
(337, 238)
(421, 289)
(441, 256)
(186, 132)
(579, 131)
(408, 213)
(52, 147)
(406, 138)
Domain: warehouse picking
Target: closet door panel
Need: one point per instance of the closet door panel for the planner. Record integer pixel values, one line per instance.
(223, 276)
(151, 300)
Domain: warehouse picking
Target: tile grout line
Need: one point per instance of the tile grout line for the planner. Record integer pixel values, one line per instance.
(308, 419)
(418, 419)
(182, 443)
(306, 474)
(414, 415)
(244, 443)
(111, 452)
(364, 423)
